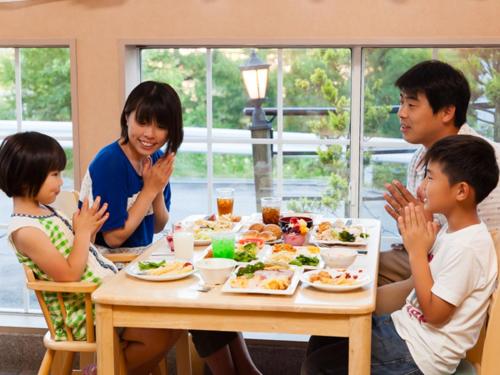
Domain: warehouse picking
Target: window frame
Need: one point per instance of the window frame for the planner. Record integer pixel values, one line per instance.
(17, 45)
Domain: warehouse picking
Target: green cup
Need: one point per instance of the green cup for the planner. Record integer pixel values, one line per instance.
(223, 245)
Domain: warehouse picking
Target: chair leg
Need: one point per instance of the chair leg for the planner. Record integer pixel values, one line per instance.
(46, 362)
(161, 368)
(67, 367)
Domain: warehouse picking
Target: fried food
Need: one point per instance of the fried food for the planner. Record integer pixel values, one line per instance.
(283, 247)
(325, 225)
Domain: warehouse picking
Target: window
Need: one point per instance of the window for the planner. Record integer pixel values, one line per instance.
(312, 103)
(34, 96)
(308, 148)
(385, 154)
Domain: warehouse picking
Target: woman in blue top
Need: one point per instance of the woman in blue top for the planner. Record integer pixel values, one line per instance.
(132, 176)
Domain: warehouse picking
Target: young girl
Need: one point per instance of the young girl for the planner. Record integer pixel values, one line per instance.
(132, 175)
(59, 249)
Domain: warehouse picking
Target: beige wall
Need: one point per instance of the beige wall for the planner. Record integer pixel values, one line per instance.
(99, 28)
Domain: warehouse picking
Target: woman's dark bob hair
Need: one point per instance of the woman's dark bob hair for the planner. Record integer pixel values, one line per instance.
(155, 102)
(26, 159)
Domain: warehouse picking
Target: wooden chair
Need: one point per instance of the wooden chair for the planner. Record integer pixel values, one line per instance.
(70, 346)
(482, 358)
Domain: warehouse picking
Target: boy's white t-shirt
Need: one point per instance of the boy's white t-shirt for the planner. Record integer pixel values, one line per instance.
(464, 269)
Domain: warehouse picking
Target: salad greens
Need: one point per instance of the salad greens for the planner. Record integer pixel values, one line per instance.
(347, 236)
(247, 253)
(303, 260)
(250, 269)
(148, 264)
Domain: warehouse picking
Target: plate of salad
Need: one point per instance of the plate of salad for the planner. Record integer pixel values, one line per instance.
(339, 233)
(307, 257)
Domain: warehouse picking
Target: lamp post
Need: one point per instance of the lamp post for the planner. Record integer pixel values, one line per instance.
(255, 75)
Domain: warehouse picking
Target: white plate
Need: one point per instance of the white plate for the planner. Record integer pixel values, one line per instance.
(203, 242)
(359, 241)
(267, 253)
(362, 281)
(227, 288)
(134, 271)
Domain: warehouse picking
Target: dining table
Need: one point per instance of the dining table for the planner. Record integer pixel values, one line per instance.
(125, 301)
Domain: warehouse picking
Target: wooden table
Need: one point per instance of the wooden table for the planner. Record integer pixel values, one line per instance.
(128, 302)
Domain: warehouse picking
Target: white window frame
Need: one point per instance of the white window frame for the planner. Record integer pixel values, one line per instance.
(17, 46)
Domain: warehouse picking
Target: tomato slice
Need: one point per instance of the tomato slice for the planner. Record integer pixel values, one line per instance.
(258, 241)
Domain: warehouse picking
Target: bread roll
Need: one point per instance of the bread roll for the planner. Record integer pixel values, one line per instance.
(259, 227)
(267, 236)
(250, 234)
(275, 229)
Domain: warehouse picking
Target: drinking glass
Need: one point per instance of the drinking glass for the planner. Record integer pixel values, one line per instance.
(184, 245)
(223, 245)
(225, 201)
(271, 209)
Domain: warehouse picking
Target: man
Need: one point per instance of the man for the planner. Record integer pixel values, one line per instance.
(433, 105)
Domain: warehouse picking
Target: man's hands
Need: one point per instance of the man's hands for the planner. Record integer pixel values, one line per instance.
(156, 176)
(418, 233)
(398, 197)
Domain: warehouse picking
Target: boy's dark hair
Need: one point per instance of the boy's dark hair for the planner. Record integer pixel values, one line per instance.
(466, 158)
(155, 102)
(442, 84)
(26, 159)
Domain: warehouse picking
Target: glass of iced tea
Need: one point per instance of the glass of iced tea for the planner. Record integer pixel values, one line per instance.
(271, 209)
(225, 201)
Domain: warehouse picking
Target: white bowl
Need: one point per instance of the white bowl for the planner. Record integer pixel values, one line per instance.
(338, 257)
(215, 270)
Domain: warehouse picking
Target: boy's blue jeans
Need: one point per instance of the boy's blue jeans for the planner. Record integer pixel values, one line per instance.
(389, 356)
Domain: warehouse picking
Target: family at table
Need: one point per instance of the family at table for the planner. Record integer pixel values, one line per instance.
(447, 260)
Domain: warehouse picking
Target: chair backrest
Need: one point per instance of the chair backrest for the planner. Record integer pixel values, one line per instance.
(86, 288)
(491, 346)
(67, 202)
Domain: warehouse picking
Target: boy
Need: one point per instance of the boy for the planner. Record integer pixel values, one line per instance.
(434, 99)
(454, 271)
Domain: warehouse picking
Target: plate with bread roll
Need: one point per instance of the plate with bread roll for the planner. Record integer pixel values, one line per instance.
(270, 233)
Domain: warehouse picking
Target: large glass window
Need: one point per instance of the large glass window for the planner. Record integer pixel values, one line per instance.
(308, 113)
(385, 154)
(35, 95)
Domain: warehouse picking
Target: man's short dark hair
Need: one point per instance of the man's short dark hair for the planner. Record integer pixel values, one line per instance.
(155, 102)
(442, 84)
(466, 158)
(26, 159)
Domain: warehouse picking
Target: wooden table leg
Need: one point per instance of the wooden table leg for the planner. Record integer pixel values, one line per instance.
(360, 338)
(107, 358)
(183, 355)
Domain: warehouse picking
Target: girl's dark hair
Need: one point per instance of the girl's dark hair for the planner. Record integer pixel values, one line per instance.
(442, 84)
(466, 158)
(155, 102)
(26, 159)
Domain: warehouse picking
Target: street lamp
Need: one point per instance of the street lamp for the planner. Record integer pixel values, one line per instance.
(255, 74)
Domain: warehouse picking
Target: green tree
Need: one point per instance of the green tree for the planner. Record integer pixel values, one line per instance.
(45, 82)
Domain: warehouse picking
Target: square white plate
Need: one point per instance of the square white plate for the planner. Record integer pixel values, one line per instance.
(297, 271)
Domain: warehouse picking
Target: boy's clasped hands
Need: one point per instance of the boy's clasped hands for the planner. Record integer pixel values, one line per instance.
(418, 233)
